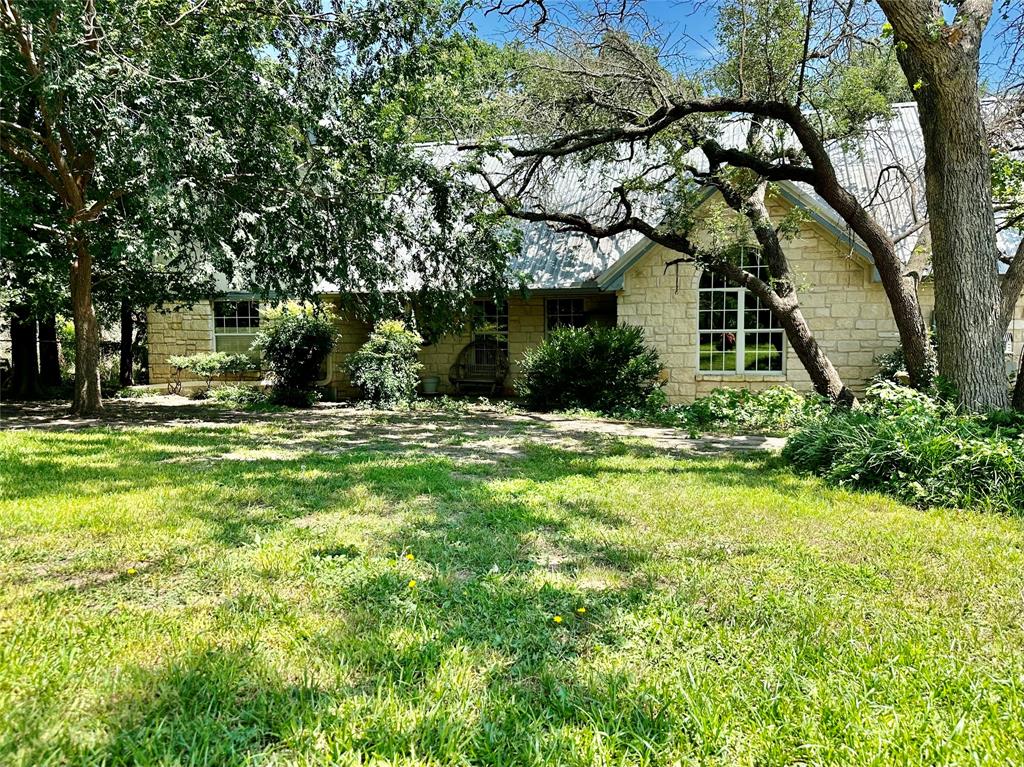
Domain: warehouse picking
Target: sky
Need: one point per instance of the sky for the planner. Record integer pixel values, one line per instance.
(696, 22)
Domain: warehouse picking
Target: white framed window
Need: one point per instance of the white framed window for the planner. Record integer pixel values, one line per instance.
(564, 313)
(235, 324)
(736, 332)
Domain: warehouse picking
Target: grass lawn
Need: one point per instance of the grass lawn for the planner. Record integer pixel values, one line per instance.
(471, 592)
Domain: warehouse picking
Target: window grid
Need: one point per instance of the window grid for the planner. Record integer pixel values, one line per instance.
(236, 317)
(235, 324)
(564, 312)
(736, 332)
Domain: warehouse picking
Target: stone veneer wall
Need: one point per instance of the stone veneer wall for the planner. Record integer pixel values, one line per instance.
(847, 310)
(525, 329)
(185, 331)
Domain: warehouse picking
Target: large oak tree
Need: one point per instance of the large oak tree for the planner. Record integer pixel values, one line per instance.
(270, 141)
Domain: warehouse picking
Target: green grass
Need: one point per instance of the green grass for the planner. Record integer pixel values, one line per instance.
(241, 596)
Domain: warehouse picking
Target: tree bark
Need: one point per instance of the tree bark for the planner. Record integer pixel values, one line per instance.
(49, 353)
(941, 61)
(127, 344)
(87, 398)
(782, 295)
(24, 355)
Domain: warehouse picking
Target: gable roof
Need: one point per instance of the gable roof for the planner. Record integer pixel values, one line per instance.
(884, 168)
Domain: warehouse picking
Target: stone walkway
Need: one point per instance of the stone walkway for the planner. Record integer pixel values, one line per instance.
(333, 426)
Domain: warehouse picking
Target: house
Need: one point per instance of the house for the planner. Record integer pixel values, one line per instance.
(708, 333)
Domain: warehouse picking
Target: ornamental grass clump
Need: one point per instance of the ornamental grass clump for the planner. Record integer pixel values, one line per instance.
(918, 449)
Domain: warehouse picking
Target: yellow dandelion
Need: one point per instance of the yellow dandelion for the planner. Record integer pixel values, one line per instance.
(132, 571)
(412, 584)
(557, 619)
(410, 556)
(581, 610)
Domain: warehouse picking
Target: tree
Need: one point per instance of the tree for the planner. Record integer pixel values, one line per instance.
(267, 141)
(973, 302)
(605, 88)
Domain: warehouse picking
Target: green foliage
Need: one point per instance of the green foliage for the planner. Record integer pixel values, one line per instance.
(272, 142)
(607, 369)
(242, 397)
(209, 365)
(386, 368)
(294, 343)
(776, 409)
(893, 365)
(918, 449)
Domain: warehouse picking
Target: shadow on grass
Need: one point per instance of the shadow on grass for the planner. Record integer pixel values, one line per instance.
(487, 597)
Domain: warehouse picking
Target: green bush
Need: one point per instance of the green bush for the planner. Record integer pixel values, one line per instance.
(208, 366)
(386, 368)
(240, 396)
(295, 342)
(607, 369)
(918, 449)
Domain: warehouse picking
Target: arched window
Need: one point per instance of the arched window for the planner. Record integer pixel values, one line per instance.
(736, 332)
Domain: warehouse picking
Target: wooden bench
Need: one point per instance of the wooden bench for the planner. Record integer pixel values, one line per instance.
(482, 364)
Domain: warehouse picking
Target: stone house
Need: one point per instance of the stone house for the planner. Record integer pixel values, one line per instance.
(708, 334)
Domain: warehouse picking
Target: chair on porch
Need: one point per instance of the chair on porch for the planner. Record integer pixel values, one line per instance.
(482, 364)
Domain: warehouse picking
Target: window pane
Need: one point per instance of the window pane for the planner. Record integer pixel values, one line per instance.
(763, 351)
(234, 344)
(490, 323)
(718, 324)
(565, 312)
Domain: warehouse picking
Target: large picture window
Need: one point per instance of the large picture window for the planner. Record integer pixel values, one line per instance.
(235, 324)
(490, 331)
(564, 313)
(736, 332)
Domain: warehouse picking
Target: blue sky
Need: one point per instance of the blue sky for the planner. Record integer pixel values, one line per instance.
(682, 20)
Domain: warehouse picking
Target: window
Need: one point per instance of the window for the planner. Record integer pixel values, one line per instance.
(736, 332)
(564, 313)
(234, 325)
(490, 331)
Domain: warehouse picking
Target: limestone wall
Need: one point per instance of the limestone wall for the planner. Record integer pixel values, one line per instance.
(185, 331)
(845, 307)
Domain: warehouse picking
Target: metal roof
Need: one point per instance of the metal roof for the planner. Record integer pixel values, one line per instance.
(884, 168)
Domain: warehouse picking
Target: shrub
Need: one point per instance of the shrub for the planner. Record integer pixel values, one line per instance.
(295, 342)
(916, 448)
(892, 365)
(607, 369)
(241, 397)
(775, 409)
(207, 367)
(386, 368)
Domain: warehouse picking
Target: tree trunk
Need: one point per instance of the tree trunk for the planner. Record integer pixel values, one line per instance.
(819, 367)
(942, 65)
(1018, 387)
(24, 355)
(127, 343)
(87, 399)
(49, 353)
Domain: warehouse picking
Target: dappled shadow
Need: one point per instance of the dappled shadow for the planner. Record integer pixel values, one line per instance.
(496, 560)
